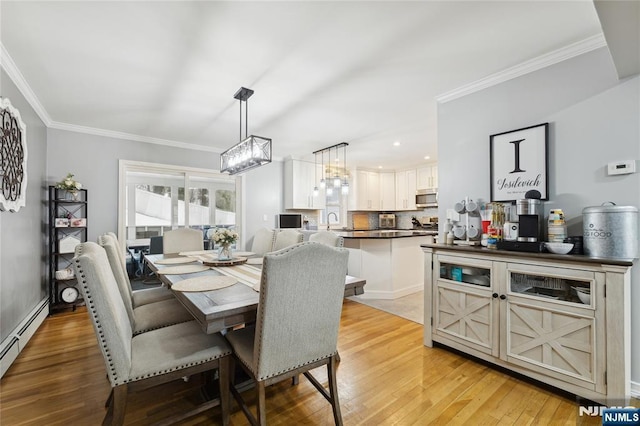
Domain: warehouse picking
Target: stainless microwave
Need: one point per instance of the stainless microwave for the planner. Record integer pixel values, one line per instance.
(427, 198)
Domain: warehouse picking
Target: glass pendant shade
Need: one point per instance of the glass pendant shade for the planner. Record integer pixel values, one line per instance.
(315, 191)
(336, 182)
(345, 188)
(323, 184)
(329, 191)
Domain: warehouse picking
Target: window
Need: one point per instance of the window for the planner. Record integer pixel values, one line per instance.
(153, 200)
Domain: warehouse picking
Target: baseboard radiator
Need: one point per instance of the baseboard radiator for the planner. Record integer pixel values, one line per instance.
(20, 336)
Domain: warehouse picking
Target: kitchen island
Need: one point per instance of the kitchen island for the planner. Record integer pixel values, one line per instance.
(391, 261)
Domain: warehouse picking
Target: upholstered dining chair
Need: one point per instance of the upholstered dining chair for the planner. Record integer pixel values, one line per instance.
(327, 237)
(142, 317)
(116, 255)
(296, 329)
(182, 239)
(137, 362)
(263, 241)
(286, 238)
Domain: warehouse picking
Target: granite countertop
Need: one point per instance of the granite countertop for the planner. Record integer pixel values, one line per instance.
(385, 233)
(545, 255)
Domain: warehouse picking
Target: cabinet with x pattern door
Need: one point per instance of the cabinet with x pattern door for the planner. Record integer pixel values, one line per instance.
(564, 323)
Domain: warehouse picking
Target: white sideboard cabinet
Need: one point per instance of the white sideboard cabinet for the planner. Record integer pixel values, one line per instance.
(563, 320)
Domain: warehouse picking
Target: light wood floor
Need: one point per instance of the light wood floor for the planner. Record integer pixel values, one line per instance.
(386, 377)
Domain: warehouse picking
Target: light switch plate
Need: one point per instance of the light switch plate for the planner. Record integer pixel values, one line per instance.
(621, 167)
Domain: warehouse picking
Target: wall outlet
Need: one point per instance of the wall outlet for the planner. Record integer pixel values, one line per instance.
(621, 167)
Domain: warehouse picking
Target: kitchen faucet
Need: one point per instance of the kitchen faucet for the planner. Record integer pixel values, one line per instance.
(328, 222)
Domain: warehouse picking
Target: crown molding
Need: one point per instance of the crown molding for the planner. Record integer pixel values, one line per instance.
(131, 137)
(6, 61)
(535, 64)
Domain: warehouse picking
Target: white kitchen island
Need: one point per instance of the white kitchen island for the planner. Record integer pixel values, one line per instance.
(392, 262)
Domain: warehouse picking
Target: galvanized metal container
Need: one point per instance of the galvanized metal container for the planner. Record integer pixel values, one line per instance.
(610, 231)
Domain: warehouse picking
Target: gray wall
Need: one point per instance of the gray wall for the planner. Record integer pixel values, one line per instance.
(22, 240)
(264, 197)
(594, 119)
(94, 161)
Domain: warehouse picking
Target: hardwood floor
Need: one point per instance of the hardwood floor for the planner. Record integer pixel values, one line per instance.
(386, 377)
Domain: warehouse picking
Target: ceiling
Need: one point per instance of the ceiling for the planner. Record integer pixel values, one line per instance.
(362, 72)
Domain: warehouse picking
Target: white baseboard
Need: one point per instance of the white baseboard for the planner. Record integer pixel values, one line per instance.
(390, 295)
(20, 336)
(635, 389)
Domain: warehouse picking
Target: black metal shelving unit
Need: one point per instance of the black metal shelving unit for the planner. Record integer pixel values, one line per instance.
(62, 236)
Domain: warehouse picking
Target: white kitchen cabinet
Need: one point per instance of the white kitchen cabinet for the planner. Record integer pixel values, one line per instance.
(366, 191)
(387, 191)
(406, 190)
(427, 177)
(300, 178)
(522, 311)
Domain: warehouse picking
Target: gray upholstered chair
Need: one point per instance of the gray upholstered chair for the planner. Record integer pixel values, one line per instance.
(147, 316)
(302, 287)
(286, 238)
(182, 239)
(263, 241)
(327, 237)
(138, 297)
(148, 359)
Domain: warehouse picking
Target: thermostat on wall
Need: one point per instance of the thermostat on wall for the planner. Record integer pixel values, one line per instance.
(621, 167)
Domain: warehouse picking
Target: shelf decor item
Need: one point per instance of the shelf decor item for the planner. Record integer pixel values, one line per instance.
(71, 186)
(225, 238)
(13, 158)
(519, 163)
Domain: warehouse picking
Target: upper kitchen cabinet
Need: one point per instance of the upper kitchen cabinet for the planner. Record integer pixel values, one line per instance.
(299, 181)
(406, 190)
(365, 191)
(428, 177)
(387, 191)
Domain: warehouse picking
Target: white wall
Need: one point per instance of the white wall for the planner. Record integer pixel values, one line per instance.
(264, 197)
(23, 267)
(594, 119)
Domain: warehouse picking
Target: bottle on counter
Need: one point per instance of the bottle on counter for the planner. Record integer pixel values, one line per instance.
(449, 237)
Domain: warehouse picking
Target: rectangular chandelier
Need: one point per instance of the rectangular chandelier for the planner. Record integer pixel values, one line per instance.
(252, 152)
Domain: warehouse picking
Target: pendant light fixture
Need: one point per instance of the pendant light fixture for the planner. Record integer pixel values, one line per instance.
(315, 176)
(323, 183)
(249, 153)
(337, 181)
(345, 180)
(336, 177)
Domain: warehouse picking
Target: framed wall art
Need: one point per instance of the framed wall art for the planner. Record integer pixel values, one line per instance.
(519, 163)
(13, 158)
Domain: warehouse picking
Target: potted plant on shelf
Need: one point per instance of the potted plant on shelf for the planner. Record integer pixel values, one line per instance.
(71, 186)
(225, 238)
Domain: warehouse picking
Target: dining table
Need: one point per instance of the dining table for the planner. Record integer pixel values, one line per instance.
(227, 307)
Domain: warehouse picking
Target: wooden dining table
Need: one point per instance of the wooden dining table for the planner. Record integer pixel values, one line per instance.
(227, 307)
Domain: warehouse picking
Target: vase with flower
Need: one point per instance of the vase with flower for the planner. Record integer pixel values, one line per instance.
(71, 186)
(225, 238)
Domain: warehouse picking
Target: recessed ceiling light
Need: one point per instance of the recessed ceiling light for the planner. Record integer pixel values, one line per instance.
(426, 157)
(379, 167)
(396, 143)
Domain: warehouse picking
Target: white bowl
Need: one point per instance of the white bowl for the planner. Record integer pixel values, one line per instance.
(559, 248)
(584, 297)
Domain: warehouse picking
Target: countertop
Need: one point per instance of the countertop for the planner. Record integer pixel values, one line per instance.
(385, 233)
(549, 256)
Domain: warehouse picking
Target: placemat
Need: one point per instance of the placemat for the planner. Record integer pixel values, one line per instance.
(182, 269)
(175, 260)
(206, 283)
(196, 252)
(249, 275)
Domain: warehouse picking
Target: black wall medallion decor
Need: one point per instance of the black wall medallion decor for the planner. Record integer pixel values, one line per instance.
(13, 158)
(519, 163)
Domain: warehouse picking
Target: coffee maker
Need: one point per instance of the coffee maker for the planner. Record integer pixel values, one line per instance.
(530, 220)
(530, 225)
